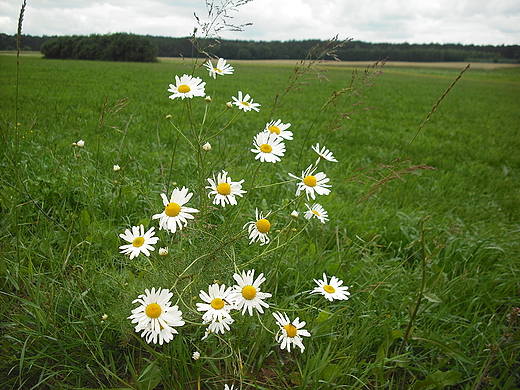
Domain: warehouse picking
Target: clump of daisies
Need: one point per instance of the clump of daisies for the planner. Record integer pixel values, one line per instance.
(156, 318)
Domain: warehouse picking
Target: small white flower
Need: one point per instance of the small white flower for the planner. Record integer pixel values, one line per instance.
(295, 214)
(221, 69)
(218, 327)
(226, 387)
(163, 251)
(259, 228)
(79, 144)
(104, 317)
(187, 87)
(217, 303)
(116, 168)
(332, 289)
(268, 147)
(196, 355)
(290, 332)
(317, 211)
(229, 105)
(155, 317)
(324, 153)
(206, 147)
(244, 104)
(312, 184)
(140, 242)
(224, 189)
(207, 99)
(247, 294)
(280, 129)
(175, 214)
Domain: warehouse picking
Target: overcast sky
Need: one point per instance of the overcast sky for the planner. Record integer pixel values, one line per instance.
(479, 22)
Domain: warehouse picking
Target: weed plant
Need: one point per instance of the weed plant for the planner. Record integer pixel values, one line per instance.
(424, 234)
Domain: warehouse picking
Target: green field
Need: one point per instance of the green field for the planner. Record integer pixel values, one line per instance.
(432, 255)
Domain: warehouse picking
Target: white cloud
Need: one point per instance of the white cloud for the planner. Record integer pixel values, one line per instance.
(413, 21)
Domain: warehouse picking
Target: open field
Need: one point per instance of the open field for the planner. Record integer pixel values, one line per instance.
(432, 256)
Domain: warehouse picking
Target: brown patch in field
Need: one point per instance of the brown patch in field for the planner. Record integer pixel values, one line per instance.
(364, 64)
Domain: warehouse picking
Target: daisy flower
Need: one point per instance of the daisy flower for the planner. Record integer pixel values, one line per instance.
(187, 87)
(269, 147)
(175, 213)
(155, 317)
(217, 304)
(259, 228)
(324, 153)
(290, 332)
(218, 327)
(243, 104)
(224, 189)
(140, 242)
(226, 387)
(312, 184)
(317, 211)
(280, 129)
(221, 69)
(247, 294)
(332, 289)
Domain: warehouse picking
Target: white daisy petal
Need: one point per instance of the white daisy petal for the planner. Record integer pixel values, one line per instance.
(324, 153)
(224, 189)
(280, 129)
(243, 103)
(269, 147)
(312, 183)
(155, 316)
(140, 242)
(317, 211)
(290, 333)
(187, 87)
(259, 228)
(175, 214)
(217, 303)
(246, 293)
(221, 69)
(332, 289)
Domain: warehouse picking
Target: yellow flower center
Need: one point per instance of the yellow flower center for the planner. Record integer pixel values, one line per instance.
(245, 104)
(217, 70)
(153, 310)
(291, 330)
(274, 129)
(249, 292)
(172, 210)
(310, 181)
(217, 303)
(263, 225)
(266, 148)
(328, 288)
(224, 189)
(315, 213)
(138, 241)
(184, 88)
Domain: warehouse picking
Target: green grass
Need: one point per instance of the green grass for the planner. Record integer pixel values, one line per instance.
(455, 228)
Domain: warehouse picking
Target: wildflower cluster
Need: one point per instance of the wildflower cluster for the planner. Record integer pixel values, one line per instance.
(220, 305)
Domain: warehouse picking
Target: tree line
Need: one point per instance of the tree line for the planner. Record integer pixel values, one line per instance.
(130, 47)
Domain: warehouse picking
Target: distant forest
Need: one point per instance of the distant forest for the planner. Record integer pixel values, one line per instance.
(253, 50)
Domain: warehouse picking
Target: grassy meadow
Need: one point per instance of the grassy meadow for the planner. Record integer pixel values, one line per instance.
(424, 227)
